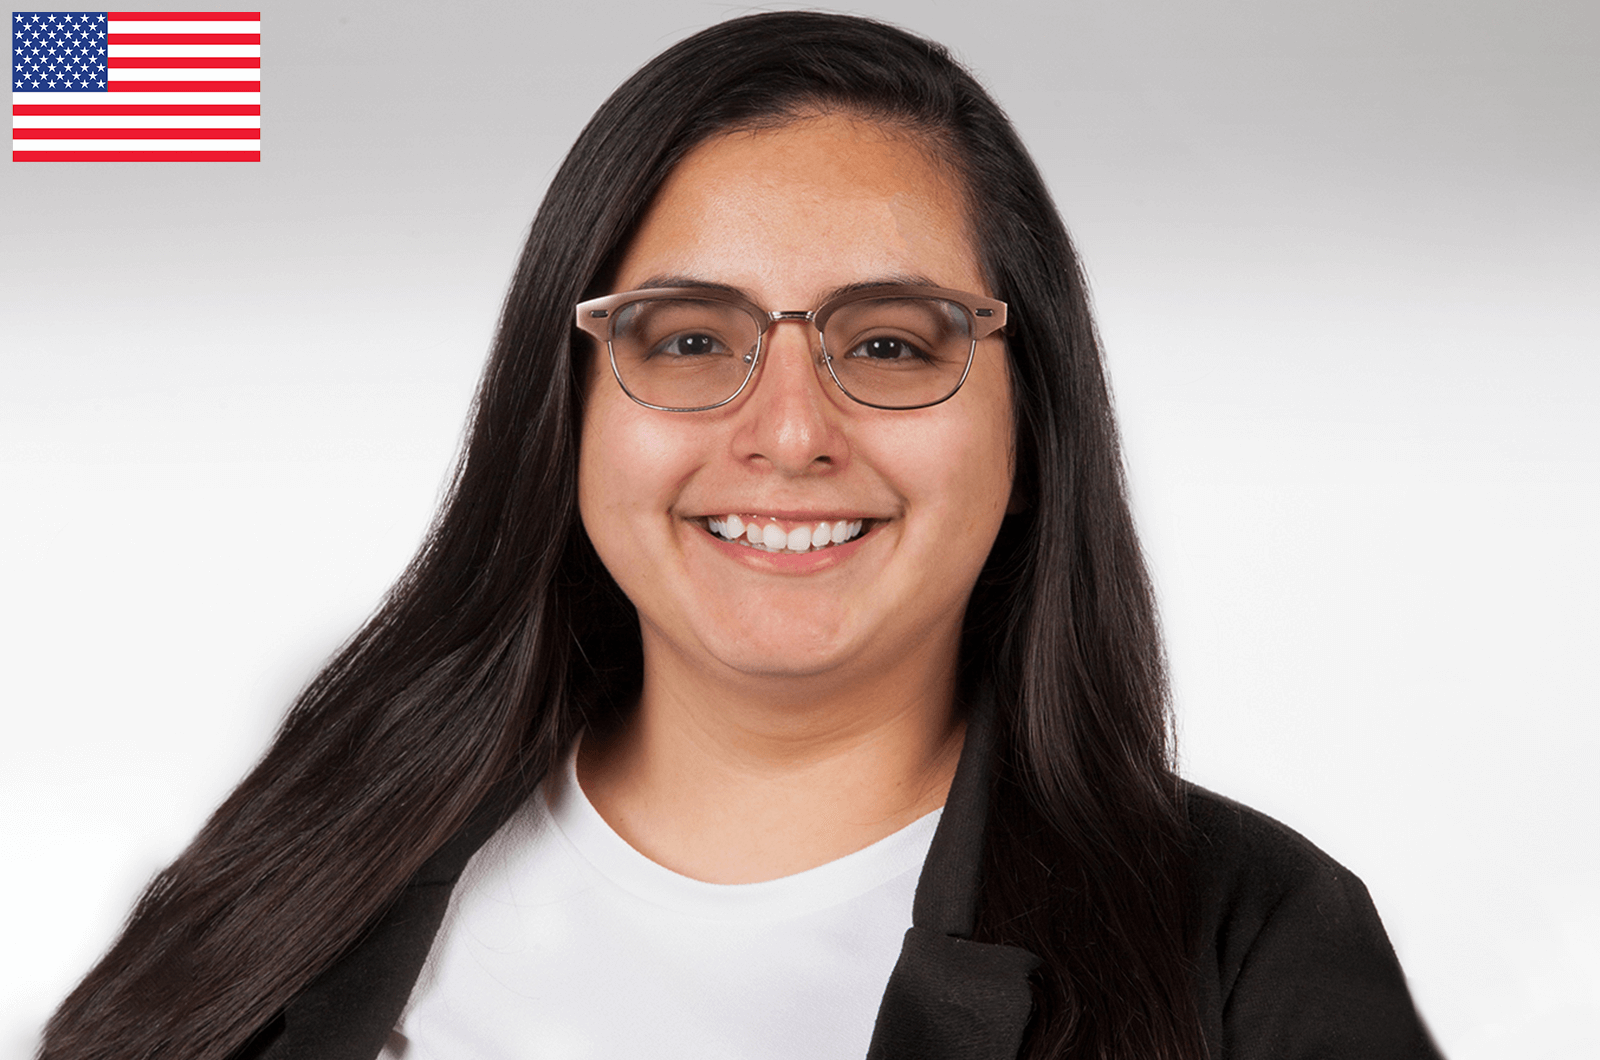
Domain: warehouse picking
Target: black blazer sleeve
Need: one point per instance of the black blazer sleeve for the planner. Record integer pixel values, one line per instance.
(1293, 960)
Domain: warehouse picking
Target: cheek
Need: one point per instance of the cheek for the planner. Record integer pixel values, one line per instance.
(963, 460)
(979, 486)
(955, 475)
(608, 493)
(975, 468)
(631, 464)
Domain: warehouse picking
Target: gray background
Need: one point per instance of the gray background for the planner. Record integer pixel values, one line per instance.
(1344, 257)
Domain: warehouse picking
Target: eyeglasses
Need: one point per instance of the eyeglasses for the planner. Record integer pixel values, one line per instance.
(690, 349)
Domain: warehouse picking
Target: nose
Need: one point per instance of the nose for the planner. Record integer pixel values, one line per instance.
(788, 420)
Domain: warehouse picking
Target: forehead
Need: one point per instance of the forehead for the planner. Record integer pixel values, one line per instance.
(808, 205)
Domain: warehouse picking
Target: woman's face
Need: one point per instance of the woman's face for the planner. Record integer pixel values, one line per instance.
(786, 216)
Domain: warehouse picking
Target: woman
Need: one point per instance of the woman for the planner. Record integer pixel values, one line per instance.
(814, 526)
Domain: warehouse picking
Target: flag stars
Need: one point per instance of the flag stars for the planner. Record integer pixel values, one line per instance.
(60, 50)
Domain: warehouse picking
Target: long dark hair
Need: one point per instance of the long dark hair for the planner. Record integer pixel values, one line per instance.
(506, 636)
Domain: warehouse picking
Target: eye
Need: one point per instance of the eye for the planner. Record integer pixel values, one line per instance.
(690, 344)
(888, 349)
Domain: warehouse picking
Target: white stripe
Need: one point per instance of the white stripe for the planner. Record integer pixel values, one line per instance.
(135, 145)
(135, 121)
(114, 98)
(118, 25)
(182, 73)
(197, 51)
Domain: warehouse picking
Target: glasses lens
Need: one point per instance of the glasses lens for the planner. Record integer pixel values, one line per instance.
(683, 353)
(899, 352)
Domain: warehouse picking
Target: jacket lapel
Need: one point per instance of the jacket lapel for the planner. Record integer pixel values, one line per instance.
(950, 998)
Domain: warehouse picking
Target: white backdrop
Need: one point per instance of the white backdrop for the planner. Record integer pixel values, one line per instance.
(1344, 257)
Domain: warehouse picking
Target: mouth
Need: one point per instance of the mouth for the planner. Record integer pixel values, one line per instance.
(785, 536)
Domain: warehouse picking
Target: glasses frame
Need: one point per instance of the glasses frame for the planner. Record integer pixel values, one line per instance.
(597, 317)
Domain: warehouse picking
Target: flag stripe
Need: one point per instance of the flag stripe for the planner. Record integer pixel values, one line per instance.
(136, 121)
(180, 16)
(132, 143)
(184, 62)
(199, 51)
(135, 156)
(183, 38)
(137, 108)
(126, 96)
(183, 27)
(167, 73)
(184, 86)
(136, 134)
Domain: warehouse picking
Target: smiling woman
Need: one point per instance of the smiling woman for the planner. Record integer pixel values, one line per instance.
(839, 659)
(781, 677)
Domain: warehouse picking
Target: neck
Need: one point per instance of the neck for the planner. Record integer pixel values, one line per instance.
(736, 779)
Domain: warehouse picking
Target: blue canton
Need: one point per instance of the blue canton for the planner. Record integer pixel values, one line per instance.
(58, 51)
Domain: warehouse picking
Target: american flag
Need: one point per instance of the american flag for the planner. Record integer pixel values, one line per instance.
(136, 86)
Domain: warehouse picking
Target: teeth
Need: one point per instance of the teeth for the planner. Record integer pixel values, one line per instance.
(773, 538)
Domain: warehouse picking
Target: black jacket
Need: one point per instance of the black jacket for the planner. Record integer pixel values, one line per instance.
(1294, 962)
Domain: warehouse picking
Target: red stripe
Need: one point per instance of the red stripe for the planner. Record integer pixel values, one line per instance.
(209, 63)
(136, 134)
(183, 86)
(183, 38)
(184, 16)
(136, 108)
(135, 156)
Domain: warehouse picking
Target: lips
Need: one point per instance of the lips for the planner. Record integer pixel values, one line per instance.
(787, 536)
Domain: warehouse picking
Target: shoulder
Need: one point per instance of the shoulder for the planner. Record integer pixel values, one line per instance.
(1292, 957)
(1248, 863)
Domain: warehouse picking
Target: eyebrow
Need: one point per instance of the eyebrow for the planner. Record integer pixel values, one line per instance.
(894, 280)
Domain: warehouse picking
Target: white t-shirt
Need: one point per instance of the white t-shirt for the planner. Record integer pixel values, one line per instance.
(562, 942)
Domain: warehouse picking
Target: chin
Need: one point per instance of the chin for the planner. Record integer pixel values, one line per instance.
(782, 650)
